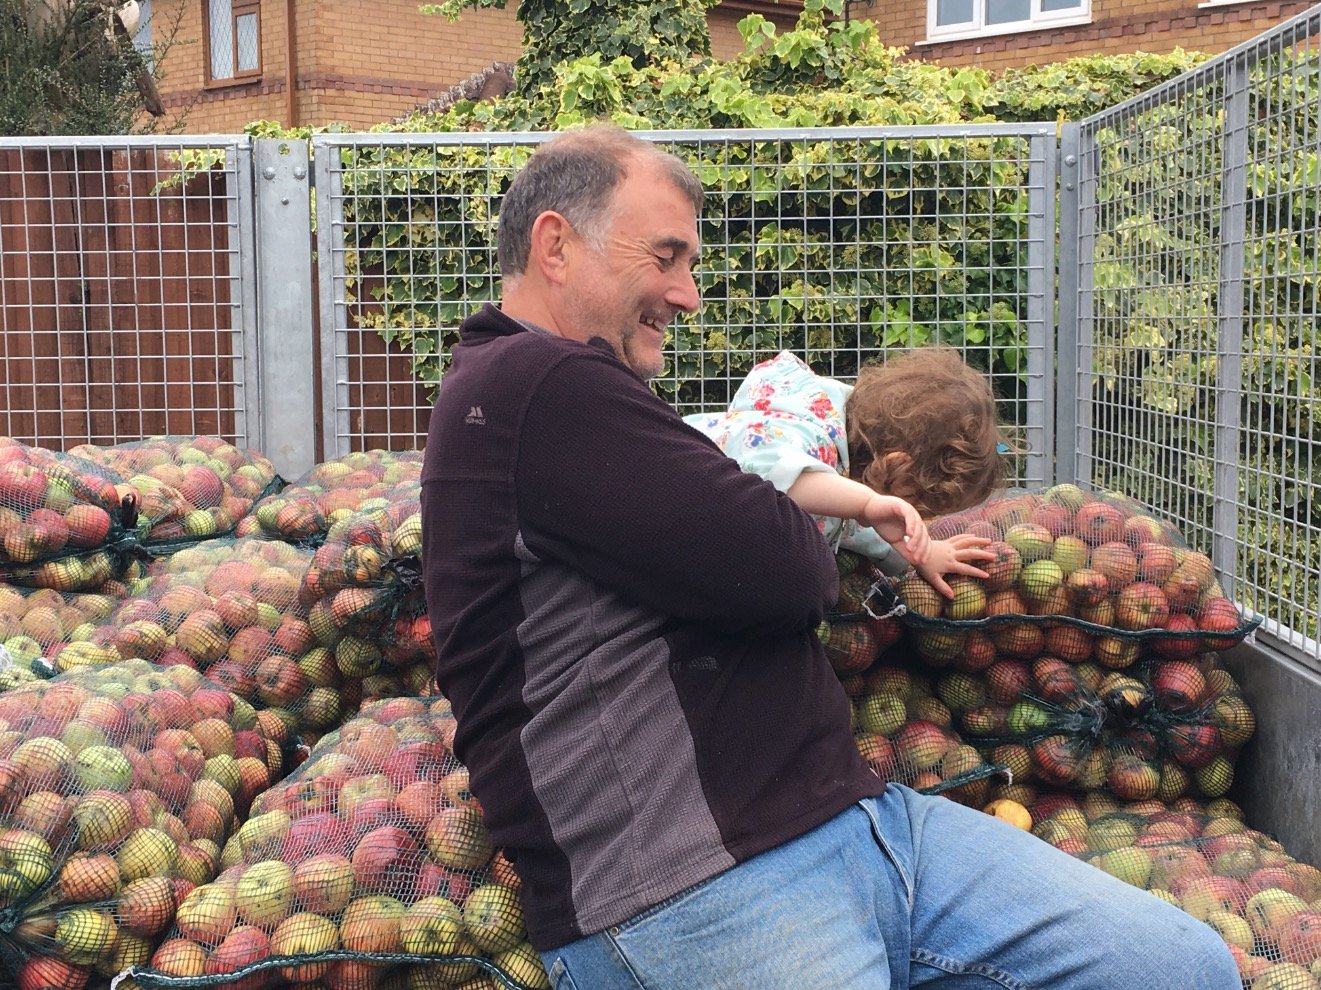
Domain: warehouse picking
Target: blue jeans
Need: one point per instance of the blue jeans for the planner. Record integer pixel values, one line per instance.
(903, 891)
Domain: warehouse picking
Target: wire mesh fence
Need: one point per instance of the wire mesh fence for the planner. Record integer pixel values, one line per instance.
(840, 245)
(1195, 385)
(126, 273)
(1154, 333)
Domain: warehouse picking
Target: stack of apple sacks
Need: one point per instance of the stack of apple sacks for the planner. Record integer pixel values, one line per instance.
(1202, 857)
(1090, 601)
(230, 609)
(111, 809)
(62, 524)
(369, 866)
(185, 488)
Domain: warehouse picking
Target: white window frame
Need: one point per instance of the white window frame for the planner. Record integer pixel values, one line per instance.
(978, 28)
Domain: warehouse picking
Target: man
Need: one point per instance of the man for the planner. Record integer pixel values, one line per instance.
(625, 625)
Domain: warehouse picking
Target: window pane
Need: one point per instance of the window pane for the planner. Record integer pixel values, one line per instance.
(1007, 11)
(249, 53)
(222, 40)
(953, 12)
(1049, 5)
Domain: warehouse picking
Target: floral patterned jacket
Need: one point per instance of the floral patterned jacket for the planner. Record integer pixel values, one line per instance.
(786, 419)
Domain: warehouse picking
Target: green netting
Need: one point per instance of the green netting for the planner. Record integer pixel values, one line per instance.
(1202, 857)
(1077, 575)
(370, 863)
(119, 787)
(187, 488)
(1163, 729)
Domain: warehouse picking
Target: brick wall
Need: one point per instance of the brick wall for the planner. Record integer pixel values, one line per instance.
(361, 64)
(1116, 26)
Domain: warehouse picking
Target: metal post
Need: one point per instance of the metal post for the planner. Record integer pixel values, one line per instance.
(333, 313)
(285, 301)
(1041, 308)
(1066, 335)
(1229, 324)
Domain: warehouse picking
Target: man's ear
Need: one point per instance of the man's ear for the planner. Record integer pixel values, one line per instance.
(551, 246)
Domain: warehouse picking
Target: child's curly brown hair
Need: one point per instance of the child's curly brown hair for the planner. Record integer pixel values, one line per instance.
(930, 406)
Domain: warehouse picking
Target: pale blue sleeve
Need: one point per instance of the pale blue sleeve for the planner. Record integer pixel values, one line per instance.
(776, 446)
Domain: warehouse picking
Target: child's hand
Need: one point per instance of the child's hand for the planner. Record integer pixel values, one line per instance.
(954, 556)
(900, 525)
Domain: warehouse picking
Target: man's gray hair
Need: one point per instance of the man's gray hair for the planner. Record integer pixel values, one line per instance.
(575, 174)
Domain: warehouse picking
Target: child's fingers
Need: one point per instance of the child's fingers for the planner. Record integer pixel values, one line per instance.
(938, 582)
(960, 567)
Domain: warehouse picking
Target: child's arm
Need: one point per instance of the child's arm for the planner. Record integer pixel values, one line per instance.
(825, 493)
(954, 556)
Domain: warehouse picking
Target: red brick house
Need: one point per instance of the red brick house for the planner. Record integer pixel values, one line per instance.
(353, 62)
(361, 64)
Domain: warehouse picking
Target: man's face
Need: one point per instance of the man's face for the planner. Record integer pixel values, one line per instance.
(642, 278)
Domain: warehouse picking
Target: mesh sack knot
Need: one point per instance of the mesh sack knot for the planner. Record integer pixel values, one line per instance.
(363, 587)
(186, 488)
(1163, 729)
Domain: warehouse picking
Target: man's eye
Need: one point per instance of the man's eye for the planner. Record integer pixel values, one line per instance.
(663, 261)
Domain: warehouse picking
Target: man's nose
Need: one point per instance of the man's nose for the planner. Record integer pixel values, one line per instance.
(683, 292)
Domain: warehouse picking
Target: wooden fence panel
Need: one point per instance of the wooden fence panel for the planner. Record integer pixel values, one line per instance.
(116, 296)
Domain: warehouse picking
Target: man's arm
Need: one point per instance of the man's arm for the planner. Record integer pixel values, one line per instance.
(612, 482)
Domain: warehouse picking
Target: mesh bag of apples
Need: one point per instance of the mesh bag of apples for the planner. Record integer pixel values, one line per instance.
(364, 585)
(1162, 729)
(333, 490)
(369, 864)
(1077, 575)
(906, 733)
(1201, 857)
(63, 522)
(37, 623)
(901, 728)
(230, 609)
(119, 788)
(185, 488)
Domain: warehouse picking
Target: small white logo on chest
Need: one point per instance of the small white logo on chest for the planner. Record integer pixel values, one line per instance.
(475, 416)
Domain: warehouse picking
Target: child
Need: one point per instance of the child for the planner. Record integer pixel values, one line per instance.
(915, 436)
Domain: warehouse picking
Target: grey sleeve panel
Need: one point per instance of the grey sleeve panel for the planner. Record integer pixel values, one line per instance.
(610, 750)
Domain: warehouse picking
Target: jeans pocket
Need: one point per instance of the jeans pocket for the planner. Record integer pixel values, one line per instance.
(560, 977)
